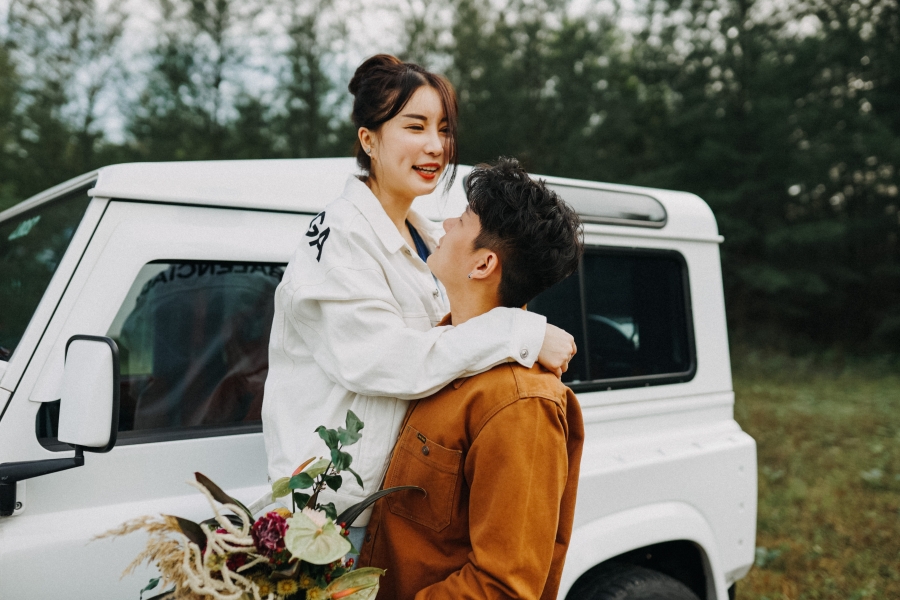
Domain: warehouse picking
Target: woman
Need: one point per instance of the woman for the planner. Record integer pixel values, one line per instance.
(355, 314)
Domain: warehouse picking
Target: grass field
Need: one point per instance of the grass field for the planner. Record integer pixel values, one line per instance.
(828, 437)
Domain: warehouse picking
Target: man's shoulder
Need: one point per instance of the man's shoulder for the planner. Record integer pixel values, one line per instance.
(513, 382)
(507, 387)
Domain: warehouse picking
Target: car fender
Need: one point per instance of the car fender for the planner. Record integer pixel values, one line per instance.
(598, 541)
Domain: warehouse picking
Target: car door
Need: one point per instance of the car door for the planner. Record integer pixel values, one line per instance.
(187, 293)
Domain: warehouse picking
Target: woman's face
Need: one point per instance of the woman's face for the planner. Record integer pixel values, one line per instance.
(409, 152)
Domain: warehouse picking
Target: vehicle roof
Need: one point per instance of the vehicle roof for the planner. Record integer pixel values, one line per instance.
(307, 185)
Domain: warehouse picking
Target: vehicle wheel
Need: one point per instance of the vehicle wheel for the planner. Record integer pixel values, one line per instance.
(619, 581)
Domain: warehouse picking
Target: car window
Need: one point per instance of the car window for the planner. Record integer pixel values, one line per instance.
(629, 312)
(193, 348)
(32, 245)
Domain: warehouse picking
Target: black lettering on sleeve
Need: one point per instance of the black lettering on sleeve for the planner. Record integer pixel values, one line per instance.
(320, 236)
(320, 242)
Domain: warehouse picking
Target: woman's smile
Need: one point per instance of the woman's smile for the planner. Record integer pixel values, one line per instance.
(428, 171)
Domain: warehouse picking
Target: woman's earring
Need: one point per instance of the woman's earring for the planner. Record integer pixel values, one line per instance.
(369, 151)
(470, 276)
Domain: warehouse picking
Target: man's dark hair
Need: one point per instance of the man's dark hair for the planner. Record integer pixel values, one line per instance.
(537, 236)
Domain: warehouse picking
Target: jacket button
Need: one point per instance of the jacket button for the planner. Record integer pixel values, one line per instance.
(425, 450)
(435, 293)
(368, 536)
(524, 353)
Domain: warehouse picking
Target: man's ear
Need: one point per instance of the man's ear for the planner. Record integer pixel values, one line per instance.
(487, 266)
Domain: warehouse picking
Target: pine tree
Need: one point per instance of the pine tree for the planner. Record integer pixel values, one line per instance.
(184, 111)
(65, 52)
(9, 98)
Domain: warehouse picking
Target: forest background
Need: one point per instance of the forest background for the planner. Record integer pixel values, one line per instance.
(783, 116)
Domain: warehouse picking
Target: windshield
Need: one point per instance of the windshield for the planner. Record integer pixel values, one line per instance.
(31, 246)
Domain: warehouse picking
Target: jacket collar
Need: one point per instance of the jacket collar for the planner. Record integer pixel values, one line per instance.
(359, 194)
(430, 231)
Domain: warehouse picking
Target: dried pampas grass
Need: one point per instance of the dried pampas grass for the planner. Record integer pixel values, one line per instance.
(197, 574)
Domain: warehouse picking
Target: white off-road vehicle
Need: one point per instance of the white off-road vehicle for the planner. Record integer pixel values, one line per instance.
(178, 262)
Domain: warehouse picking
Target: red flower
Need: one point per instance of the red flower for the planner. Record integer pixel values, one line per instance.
(236, 561)
(268, 533)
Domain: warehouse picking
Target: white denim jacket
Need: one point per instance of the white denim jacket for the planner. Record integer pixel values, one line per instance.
(354, 328)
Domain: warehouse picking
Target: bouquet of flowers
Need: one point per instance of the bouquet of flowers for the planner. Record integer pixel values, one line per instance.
(282, 555)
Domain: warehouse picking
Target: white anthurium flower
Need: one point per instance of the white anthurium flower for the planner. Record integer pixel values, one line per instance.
(313, 537)
(316, 516)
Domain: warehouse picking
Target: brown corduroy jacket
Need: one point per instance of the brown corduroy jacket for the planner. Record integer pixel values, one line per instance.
(498, 455)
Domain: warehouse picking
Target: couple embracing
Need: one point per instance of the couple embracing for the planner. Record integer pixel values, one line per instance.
(421, 333)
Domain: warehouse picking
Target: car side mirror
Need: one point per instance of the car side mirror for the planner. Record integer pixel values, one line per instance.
(89, 406)
(88, 413)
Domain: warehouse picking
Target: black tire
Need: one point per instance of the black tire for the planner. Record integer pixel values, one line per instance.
(619, 581)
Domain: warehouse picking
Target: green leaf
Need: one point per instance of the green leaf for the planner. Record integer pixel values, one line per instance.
(358, 478)
(281, 487)
(329, 435)
(353, 423)
(334, 482)
(362, 584)
(340, 460)
(219, 495)
(301, 499)
(153, 583)
(353, 549)
(351, 434)
(348, 438)
(301, 481)
(317, 468)
(192, 530)
(329, 510)
(351, 514)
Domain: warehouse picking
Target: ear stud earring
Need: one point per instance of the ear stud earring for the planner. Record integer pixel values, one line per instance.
(470, 276)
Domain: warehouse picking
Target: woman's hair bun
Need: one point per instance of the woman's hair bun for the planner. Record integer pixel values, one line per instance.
(369, 67)
(381, 87)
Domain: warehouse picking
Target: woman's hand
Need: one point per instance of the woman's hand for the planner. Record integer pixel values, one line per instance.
(557, 350)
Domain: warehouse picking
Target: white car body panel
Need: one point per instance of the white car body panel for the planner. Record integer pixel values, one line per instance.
(661, 463)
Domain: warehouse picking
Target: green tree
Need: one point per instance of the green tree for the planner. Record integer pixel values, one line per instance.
(788, 131)
(553, 90)
(183, 111)
(776, 131)
(65, 51)
(9, 96)
(307, 121)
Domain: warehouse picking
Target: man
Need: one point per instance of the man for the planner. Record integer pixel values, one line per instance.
(497, 453)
